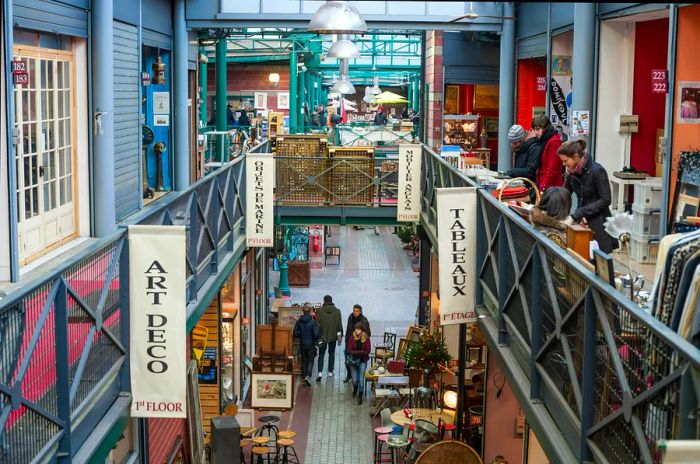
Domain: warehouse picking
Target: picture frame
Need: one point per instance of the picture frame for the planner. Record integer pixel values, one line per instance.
(401, 348)
(604, 267)
(272, 391)
(161, 119)
(246, 417)
(283, 101)
(561, 65)
(485, 96)
(491, 126)
(451, 99)
(414, 333)
(688, 102)
(287, 316)
(687, 205)
(161, 102)
(260, 100)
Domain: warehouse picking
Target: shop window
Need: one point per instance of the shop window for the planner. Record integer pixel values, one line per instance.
(41, 39)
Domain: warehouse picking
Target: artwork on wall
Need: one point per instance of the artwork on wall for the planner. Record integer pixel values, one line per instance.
(485, 96)
(260, 100)
(452, 99)
(283, 101)
(491, 126)
(561, 65)
(272, 391)
(688, 101)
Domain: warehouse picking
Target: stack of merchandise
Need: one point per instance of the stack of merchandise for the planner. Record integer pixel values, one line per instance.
(646, 212)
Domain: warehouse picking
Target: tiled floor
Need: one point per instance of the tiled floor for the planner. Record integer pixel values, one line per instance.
(376, 272)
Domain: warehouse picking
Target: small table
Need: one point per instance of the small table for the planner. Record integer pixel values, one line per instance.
(432, 415)
(392, 380)
(396, 444)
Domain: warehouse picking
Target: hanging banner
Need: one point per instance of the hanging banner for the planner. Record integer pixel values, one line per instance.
(259, 178)
(456, 225)
(408, 208)
(158, 332)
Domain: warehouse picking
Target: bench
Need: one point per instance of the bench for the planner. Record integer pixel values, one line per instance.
(331, 251)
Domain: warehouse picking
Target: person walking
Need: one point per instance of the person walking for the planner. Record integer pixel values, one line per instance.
(355, 317)
(589, 181)
(358, 353)
(331, 324)
(308, 332)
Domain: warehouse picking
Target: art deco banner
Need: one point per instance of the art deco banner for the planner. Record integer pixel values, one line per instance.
(259, 177)
(408, 208)
(158, 318)
(456, 210)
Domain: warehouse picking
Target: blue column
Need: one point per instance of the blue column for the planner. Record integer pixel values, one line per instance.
(103, 118)
(221, 47)
(292, 92)
(506, 87)
(202, 91)
(583, 59)
(300, 102)
(181, 165)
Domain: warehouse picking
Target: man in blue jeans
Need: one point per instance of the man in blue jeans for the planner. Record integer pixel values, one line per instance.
(307, 331)
(329, 319)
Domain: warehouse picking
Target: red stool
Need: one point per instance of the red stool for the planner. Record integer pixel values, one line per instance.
(380, 436)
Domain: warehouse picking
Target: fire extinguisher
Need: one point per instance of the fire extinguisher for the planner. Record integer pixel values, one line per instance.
(317, 241)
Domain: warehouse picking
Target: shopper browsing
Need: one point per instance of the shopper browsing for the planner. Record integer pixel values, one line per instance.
(526, 151)
(308, 332)
(549, 173)
(354, 318)
(589, 181)
(331, 324)
(358, 353)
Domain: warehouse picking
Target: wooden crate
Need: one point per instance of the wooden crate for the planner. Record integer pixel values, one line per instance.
(351, 175)
(299, 159)
(299, 273)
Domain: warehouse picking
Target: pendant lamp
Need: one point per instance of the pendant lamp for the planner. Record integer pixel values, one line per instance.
(343, 48)
(337, 17)
(343, 86)
(376, 90)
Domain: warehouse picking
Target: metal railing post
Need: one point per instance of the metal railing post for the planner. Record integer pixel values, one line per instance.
(62, 369)
(124, 310)
(502, 280)
(536, 316)
(590, 340)
(481, 244)
(213, 225)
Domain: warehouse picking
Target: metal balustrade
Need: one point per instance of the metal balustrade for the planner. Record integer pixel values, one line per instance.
(360, 135)
(613, 380)
(64, 336)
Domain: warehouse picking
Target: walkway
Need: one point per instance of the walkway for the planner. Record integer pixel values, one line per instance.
(377, 273)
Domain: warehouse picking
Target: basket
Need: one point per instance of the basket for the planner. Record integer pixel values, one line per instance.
(524, 199)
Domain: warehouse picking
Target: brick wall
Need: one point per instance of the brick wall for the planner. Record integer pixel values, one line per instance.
(435, 79)
(250, 78)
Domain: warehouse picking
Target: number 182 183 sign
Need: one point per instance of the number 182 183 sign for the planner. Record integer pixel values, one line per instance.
(20, 76)
(659, 81)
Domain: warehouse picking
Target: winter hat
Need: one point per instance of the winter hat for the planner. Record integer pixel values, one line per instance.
(328, 299)
(516, 134)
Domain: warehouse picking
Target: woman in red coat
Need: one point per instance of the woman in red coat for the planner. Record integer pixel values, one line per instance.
(358, 353)
(550, 172)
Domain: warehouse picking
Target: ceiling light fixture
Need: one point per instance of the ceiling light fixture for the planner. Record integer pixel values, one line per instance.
(343, 86)
(343, 48)
(337, 17)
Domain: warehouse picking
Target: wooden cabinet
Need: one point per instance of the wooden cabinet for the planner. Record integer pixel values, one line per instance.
(299, 273)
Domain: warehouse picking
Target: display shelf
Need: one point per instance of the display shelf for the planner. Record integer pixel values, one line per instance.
(461, 129)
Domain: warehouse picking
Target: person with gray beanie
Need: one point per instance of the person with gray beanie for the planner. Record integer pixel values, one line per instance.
(526, 153)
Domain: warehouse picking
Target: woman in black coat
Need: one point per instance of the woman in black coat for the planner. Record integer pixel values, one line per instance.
(589, 181)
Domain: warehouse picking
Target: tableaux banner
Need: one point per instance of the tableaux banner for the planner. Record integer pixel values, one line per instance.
(259, 180)
(157, 304)
(408, 208)
(456, 225)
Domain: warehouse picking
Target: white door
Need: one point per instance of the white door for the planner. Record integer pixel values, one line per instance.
(44, 154)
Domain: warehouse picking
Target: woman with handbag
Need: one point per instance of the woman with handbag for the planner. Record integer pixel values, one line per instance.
(358, 348)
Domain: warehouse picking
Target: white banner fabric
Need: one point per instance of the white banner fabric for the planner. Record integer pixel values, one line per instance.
(158, 321)
(408, 208)
(260, 179)
(456, 226)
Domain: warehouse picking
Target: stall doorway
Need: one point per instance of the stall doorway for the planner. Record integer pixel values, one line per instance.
(45, 153)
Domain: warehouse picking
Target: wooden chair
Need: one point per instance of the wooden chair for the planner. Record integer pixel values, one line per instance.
(385, 351)
(331, 251)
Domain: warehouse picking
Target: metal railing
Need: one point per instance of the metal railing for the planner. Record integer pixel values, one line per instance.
(64, 336)
(612, 378)
(351, 135)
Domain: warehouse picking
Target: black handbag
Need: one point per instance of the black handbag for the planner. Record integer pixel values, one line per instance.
(353, 360)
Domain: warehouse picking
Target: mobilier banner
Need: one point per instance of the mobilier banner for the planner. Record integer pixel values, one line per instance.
(408, 208)
(259, 178)
(158, 318)
(456, 226)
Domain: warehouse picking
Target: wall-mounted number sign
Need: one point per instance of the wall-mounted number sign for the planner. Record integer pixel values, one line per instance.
(659, 81)
(20, 76)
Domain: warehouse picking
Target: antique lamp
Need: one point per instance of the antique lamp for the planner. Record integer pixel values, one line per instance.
(337, 17)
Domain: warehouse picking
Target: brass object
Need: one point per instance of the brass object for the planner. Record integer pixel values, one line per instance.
(158, 71)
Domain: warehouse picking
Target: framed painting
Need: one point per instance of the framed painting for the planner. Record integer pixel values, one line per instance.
(246, 417)
(491, 126)
(401, 348)
(272, 391)
(413, 334)
(451, 99)
(485, 97)
(561, 65)
(283, 101)
(287, 316)
(604, 266)
(260, 100)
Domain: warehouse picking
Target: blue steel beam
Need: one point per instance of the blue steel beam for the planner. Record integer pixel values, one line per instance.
(506, 88)
(181, 151)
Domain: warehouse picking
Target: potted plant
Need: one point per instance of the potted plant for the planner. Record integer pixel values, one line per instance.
(427, 353)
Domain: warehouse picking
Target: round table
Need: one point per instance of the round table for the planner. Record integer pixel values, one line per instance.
(432, 415)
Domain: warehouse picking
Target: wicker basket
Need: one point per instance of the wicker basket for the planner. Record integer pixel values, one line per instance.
(302, 169)
(352, 174)
(525, 199)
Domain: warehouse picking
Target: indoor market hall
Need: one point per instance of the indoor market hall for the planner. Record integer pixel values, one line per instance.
(352, 232)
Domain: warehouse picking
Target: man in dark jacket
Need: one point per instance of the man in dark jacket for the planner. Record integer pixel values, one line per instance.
(380, 119)
(329, 319)
(355, 317)
(526, 149)
(309, 333)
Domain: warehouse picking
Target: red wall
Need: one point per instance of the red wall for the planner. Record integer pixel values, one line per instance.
(528, 96)
(251, 78)
(650, 52)
(466, 105)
